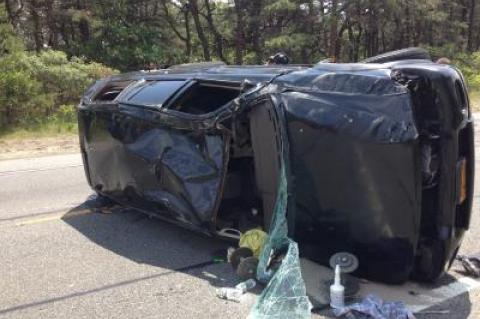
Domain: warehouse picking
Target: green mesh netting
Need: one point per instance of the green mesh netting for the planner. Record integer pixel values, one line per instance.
(285, 295)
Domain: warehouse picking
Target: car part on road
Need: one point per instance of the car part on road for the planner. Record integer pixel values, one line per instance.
(347, 262)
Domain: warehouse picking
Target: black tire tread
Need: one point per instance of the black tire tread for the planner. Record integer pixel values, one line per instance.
(413, 53)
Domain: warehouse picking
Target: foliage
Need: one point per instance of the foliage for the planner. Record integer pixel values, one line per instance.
(139, 34)
(35, 86)
(9, 42)
(468, 63)
(475, 100)
(123, 44)
(470, 66)
(145, 34)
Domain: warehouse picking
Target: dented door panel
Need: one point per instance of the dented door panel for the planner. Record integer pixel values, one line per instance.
(173, 173)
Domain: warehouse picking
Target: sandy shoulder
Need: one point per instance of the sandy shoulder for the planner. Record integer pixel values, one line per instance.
(33, 147)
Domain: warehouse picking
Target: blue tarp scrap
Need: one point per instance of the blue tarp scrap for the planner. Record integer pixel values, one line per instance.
(373, 307)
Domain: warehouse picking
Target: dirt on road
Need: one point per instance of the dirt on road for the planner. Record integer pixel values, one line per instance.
(12, 148)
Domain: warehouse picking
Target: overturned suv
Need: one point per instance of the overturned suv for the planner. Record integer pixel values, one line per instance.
(378, 155)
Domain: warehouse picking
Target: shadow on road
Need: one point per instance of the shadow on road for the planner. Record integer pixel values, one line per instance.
(457, 307)
(150, 241)
(144, 240)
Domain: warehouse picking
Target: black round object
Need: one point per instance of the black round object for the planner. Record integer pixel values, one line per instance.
(430, 265)
(403, 54)
(238, 255)
(348, 262)
(247, 269)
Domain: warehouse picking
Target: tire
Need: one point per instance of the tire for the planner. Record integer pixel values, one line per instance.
(197, 66)
(430, 265)
(403, 54)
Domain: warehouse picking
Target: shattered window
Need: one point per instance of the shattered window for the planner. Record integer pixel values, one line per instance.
(285, 295)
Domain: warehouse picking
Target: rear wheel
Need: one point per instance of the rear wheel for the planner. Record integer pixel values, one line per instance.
(430, 265)
(403, 54)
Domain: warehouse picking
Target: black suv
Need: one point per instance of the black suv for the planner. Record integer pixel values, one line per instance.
(379, 155)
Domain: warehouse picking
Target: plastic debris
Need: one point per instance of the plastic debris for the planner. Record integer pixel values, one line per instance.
(246, 285)
(471, 264)
(253, 239)
(231, 294)
(373, 307)
(337, 291)
(235, 294)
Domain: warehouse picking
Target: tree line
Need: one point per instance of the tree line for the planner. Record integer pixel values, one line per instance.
(133, 34)
(51, 50)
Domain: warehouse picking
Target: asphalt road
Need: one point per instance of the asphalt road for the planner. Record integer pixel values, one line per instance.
(41, 185)
(59, 261)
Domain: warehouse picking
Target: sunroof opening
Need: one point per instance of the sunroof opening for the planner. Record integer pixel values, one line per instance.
(203, 98)
(111, 91)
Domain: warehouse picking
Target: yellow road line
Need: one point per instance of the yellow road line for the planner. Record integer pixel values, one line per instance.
(51, 217)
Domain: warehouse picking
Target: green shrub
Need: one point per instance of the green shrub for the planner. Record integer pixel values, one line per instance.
(9, 41)
(468, 63)
(470, 66)
(35, 87)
